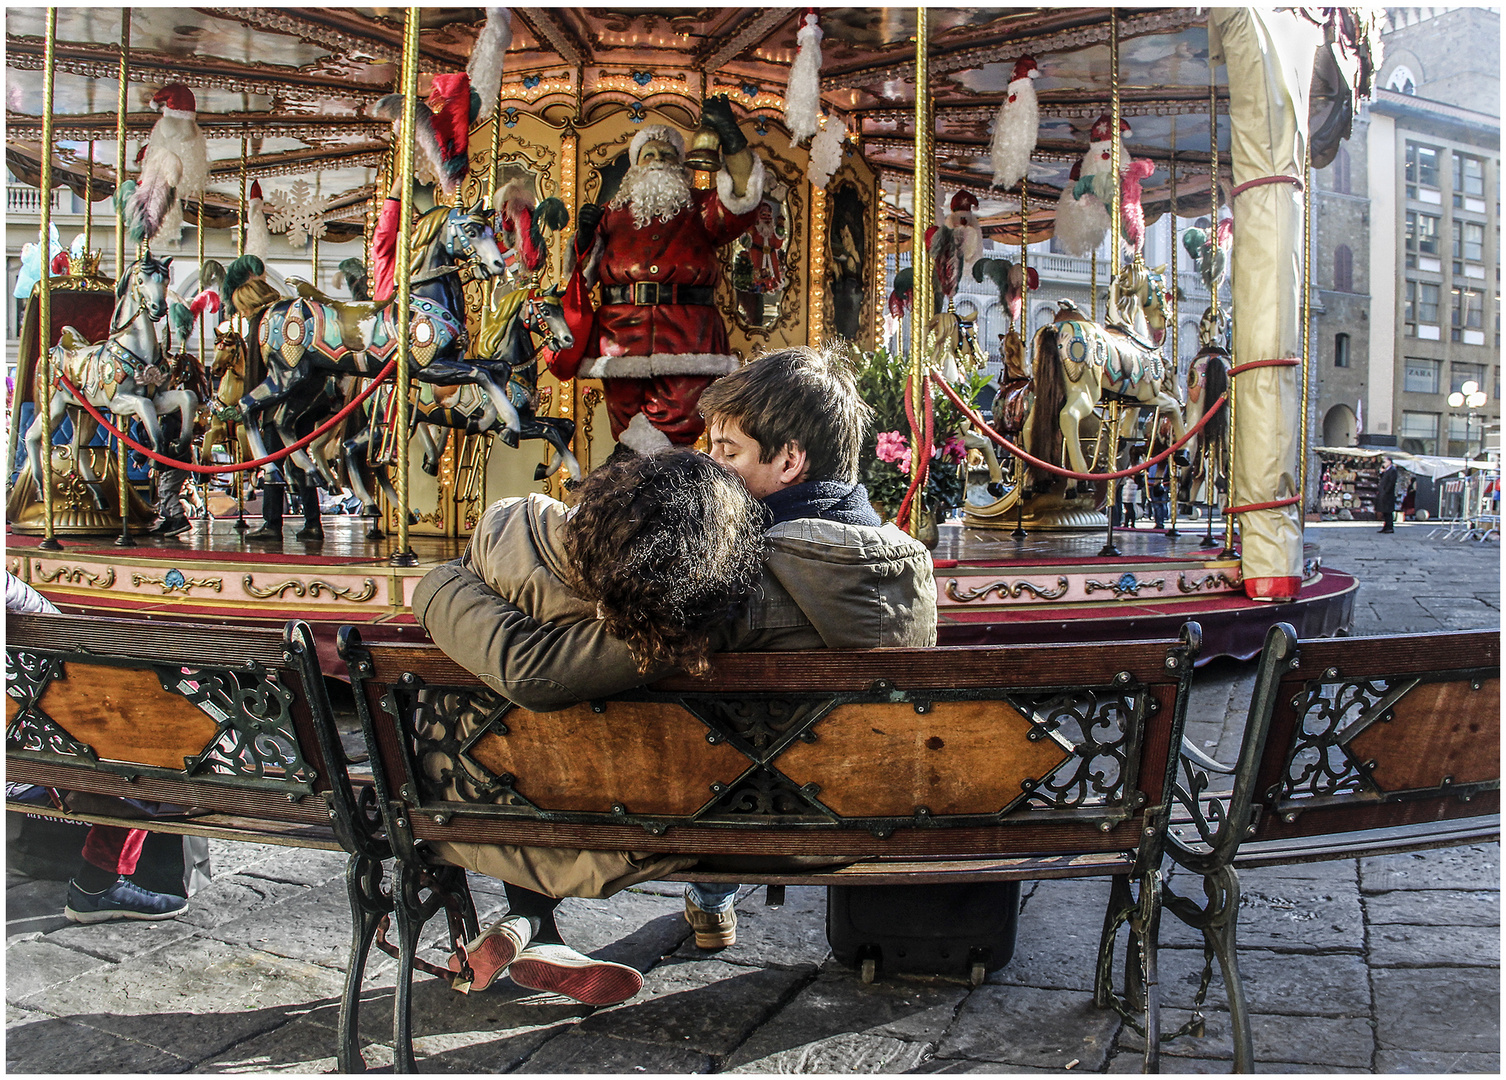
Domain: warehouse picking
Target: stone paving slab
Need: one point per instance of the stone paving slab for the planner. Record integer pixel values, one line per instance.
(1057, 942)
(583, 1052)
(1476, 867)
(1428, 946)
(1347, 1043)
(1433, 907)
(792, 935)
(1285, 912)
(1443, 1009)
(1429, 1061)
(1288, 983)
(50, 1045)
(1041, 1029)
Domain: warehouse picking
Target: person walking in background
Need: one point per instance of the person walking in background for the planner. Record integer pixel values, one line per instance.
(1385, 496)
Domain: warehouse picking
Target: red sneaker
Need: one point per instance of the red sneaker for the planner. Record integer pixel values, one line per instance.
(490, 953)
(559, 969)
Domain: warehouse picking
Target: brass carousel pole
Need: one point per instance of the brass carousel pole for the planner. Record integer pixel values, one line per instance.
(122, 459)
(1176, 315)
(1115, 225)
(44, 284)
(1229, 550)
(1307, 303)
(89, 202)
(403, 555)
(1018, 532)
(925, 211)
(235, 443)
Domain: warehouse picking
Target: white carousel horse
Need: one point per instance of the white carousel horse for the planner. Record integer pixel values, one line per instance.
(1076, 360)
(119, 374)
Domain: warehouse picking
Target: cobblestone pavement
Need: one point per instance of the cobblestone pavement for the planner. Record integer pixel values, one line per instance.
(1376, 965)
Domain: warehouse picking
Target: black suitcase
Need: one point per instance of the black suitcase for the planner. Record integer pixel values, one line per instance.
(964, 930)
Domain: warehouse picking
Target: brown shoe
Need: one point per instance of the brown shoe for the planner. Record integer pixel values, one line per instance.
(713, 930)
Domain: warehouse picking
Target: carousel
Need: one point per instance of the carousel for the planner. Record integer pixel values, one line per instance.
(395, 265)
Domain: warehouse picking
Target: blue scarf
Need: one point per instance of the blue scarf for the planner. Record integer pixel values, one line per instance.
(829, 500)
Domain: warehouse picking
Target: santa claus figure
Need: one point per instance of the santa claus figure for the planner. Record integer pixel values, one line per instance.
(1082, 215)
(766, 250)
(657, 340)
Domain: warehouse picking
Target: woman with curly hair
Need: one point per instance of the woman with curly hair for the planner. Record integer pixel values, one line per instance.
(659, 552)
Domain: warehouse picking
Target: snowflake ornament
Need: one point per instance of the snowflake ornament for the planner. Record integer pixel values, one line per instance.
(299, 213)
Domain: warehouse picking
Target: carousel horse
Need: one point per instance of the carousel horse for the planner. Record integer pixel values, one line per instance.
(1207, 381)
(303, 341)
(229, 369)
(1077, 360)
(124, 374)
(506, 342)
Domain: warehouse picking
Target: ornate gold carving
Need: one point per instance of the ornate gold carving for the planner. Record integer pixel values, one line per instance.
(1208, 582)
(782, 170)
(1125, 584)
(590, 397)
(1006, 590)
(174, 581)
(74, 575)
(313, 588)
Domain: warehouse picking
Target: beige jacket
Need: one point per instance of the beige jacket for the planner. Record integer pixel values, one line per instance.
(504, 613)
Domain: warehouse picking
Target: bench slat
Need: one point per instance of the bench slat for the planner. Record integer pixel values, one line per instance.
(215, 826)
(890, 871)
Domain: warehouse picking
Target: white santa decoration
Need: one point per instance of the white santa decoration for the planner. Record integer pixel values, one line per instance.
(258, 236)
(1082, 214)
(1017, 126)
(174, 166)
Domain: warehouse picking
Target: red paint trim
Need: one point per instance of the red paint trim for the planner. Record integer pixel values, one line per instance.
(1273, 588)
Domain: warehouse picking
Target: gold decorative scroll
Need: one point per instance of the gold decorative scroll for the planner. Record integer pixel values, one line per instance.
(174, 581)
(1006, 590)
(312, 588)
(74, 575)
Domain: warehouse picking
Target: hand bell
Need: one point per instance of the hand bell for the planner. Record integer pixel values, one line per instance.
(705, 152)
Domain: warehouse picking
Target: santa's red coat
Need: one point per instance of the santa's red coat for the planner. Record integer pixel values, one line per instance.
(641, 341)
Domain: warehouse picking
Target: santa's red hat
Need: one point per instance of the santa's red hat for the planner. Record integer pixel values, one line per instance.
(1024, 68)
(655, 133)
(255, 192)
(1105, 124)
(964, 202)
(175, 97)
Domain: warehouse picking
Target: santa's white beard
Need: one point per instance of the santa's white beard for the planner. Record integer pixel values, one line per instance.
(658, 191)
(178, 132)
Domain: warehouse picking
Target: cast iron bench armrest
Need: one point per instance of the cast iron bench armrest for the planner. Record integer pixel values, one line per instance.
(1353, 747)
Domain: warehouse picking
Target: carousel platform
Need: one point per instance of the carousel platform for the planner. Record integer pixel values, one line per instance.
(991, 588)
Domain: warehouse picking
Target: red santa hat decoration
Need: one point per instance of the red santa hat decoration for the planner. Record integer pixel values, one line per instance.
(1017, 125)
(442, 128)
(174, 166)
(963, 221)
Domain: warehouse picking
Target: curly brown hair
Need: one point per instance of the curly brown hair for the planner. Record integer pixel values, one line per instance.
(666, 545)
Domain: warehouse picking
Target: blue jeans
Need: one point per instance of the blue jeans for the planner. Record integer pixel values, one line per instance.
(709, 896)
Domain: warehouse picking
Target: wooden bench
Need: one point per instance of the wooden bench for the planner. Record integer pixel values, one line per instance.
(231, 724)
(962, 763)
(1353, 747)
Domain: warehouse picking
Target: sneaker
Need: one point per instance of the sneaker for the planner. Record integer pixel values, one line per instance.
(713, 929)
(490, 952)
(172, 526)
(559, 969)
(122, 900)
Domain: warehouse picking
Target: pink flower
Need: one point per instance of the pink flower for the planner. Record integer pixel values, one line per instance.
(953, 450)
(893, 448)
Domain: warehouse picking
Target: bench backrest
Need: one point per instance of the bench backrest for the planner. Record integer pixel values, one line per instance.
(955, 750)
(232, 720)
(1347, 735)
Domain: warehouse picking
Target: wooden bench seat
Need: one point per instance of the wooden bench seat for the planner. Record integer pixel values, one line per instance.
(1353, 747)
(961, 763)
(230, 724)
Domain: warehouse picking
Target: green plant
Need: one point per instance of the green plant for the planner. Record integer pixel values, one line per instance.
(884, 465)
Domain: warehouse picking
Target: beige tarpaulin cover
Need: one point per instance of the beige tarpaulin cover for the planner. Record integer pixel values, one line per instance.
(1269, 56)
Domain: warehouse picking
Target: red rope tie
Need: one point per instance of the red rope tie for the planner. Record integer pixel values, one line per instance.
(188, 466)
(977, 421)
(1279, 178)
(1288, 361)
(1272, 505)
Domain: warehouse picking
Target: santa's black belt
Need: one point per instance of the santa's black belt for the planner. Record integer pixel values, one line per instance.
(656, 292)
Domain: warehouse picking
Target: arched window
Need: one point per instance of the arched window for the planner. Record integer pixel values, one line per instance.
(1341, 172)
(1341, 350)
(1402, 80)
(1343, 269)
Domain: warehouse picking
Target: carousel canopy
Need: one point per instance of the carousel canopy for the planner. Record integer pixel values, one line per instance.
(296, 84)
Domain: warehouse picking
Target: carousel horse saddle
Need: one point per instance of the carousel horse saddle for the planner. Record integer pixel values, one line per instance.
(349, 314)
(1121, 330)
(1012, 404)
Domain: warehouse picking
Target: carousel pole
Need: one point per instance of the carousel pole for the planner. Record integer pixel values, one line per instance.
(1229, 550)
(122, 459)
(240, 232)
(1307, 305)
(920, 257)
(1171, 297)
(89, 202)
(1115, 225)
(44, 285)
(235, 442)
(1018, 532)
(404, 556)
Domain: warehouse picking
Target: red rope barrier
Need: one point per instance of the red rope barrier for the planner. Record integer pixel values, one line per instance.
(1272, 505)
(188, 466)
(1279, 178)
(977, 421)
(1289, 361)
(921, 439)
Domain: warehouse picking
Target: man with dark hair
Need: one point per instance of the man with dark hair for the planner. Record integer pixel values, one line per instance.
(1385, 498)
(790, 424)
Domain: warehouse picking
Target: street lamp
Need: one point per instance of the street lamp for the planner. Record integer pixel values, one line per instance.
(1472, 396)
